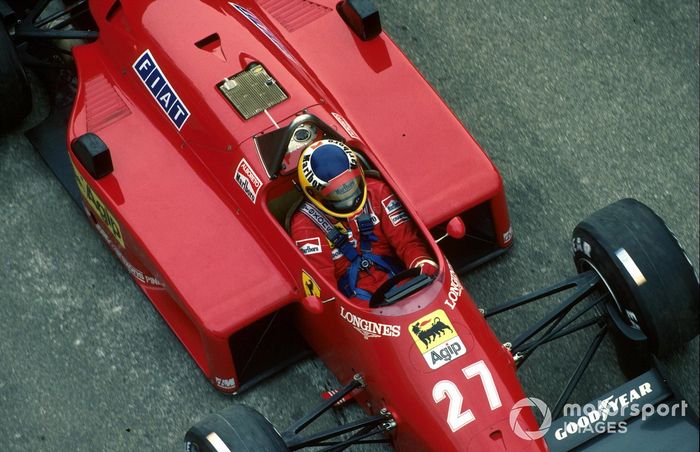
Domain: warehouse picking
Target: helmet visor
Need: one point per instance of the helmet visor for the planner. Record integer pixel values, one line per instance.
(344, 193)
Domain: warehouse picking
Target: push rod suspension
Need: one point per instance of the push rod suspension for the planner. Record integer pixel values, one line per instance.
(556, 331)
(561, 333)
(578, 373)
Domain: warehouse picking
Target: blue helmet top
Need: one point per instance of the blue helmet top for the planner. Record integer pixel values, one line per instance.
(329, 161)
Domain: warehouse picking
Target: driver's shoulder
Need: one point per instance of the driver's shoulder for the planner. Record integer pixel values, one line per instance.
(377, 184)
(377, 190)
(301, 223)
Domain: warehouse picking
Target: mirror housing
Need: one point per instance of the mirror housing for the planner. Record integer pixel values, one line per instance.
(93, 154)
(456, 228)
(362, 16)
(312, 304)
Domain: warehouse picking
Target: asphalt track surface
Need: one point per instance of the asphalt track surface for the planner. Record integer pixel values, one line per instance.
(578, 103)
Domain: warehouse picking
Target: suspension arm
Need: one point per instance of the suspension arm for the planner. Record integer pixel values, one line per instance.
(316, 439)
(569, 283)
(556, 331)
(322, 407)
(29, 28)
(584, 283)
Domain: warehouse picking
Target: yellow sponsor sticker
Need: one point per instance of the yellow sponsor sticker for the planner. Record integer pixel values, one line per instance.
(310, 286)
(99, 207)
(437, 339)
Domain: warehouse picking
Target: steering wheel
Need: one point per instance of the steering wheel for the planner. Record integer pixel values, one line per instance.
(390, 291)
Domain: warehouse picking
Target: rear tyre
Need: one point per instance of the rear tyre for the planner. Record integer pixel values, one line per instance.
(654, 302)
(15, 95)
(239, 428)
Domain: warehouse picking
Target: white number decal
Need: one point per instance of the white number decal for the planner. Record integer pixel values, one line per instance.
(457, 419)
(479, 368)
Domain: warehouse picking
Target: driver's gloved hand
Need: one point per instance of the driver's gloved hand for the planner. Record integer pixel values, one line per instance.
(427, 267)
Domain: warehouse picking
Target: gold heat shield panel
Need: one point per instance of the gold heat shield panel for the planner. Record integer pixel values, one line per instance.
(252, 91)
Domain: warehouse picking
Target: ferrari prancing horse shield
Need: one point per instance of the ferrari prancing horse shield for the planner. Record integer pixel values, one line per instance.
(310, 286)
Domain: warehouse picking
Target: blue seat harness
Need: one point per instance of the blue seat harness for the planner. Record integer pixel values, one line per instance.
(362, 260)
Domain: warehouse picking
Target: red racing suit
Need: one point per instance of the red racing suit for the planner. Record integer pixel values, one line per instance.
(396, 234)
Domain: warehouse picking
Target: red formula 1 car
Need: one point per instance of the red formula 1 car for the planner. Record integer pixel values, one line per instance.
(184, 134)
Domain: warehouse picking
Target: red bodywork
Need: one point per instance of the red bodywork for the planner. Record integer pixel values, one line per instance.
(213, 261)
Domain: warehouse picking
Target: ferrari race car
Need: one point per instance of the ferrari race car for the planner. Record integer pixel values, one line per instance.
(182, 148)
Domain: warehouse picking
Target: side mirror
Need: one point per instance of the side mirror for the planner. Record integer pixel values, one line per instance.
(313, 304)
(362, 17)
(93, 154)
(456, 228)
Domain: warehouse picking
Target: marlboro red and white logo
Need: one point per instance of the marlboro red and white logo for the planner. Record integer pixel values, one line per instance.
(246, 178)
(309, 246)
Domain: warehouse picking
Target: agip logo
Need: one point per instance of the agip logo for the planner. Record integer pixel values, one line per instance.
(437, 339)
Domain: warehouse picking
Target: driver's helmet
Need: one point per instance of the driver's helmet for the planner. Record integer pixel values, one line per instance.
(332, 179)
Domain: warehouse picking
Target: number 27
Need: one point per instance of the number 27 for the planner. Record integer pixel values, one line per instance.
(456, 418)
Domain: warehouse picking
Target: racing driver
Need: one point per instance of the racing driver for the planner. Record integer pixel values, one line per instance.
(354, 230)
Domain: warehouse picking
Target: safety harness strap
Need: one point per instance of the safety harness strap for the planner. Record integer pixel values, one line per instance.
(338, 239)
(366, 227)
(358, 261)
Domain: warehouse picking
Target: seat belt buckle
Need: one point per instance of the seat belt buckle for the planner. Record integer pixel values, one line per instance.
(337, 238)
(364, 223)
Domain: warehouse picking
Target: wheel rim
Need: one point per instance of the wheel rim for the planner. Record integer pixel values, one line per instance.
(618, 314)
(602, 278)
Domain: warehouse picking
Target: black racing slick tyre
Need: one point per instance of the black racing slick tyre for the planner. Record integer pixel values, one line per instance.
(15, 95)
(236, 428)
(654, 288)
